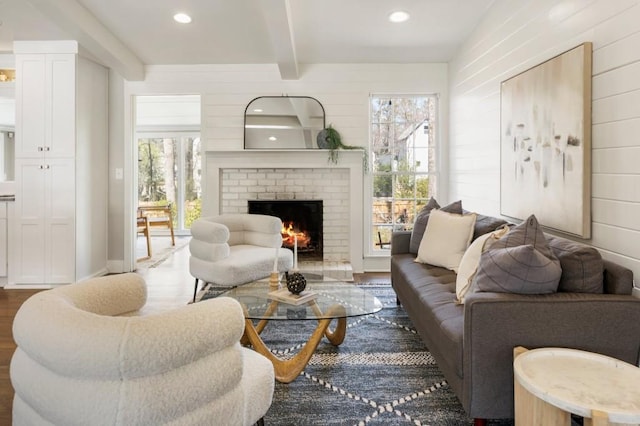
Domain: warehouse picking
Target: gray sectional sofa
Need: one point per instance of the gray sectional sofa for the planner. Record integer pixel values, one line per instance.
(473, 342)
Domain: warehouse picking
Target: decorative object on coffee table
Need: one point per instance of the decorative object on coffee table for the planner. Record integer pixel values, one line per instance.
(296, 283)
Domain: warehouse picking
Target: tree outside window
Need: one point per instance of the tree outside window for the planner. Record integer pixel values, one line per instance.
(404, 171)
(169, 170)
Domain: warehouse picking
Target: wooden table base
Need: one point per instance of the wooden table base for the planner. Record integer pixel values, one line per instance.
(286, 370)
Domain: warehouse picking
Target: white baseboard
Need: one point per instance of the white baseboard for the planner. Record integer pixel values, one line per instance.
(29, 286)
(377, 264)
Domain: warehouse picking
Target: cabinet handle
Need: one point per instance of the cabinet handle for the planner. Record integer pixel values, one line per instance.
(40, 149)
(47, 148)
(41, 167)
(47, 166)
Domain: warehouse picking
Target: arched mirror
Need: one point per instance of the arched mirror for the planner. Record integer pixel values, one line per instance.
(283, 122)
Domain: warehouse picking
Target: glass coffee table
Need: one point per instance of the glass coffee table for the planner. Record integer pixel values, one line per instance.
(323, 301)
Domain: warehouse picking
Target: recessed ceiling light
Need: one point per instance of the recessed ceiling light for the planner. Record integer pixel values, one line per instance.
(273, 138)
(257, 110)
(399, 16)
(183, 18)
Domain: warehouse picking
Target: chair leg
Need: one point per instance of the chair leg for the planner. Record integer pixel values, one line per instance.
(195, 290)
(146, 234)
(173, 238)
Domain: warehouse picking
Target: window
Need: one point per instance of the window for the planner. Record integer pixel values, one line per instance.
(169, 169)
(403, 154)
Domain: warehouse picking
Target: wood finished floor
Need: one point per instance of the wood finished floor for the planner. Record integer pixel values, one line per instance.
(168, 285)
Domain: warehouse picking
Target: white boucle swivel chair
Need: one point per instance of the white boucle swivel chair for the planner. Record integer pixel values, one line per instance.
(85, 357)
(233, 249)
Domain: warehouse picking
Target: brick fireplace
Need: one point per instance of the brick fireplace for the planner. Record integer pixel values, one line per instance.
(235, 177)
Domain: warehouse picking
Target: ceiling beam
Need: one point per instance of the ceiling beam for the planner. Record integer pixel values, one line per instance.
(93, 36)
(277, 14)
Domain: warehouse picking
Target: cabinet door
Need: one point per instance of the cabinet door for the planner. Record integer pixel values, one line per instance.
(45, 105)
(60, 138)
(29, 215)
(30, 105)
(59, 223)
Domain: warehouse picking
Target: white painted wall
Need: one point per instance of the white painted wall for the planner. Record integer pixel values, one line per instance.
(518, 34)
(91, 169)
(343, 89)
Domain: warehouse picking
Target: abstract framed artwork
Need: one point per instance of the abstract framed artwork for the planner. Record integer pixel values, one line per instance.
(545, 143)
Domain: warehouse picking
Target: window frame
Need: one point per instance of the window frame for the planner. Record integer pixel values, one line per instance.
(370, 249)
(180, 135)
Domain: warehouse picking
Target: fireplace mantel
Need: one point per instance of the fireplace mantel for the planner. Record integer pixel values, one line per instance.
(352, 160)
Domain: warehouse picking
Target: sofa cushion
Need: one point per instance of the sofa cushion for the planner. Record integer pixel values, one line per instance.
(485, 224)
(582, 266)
(430, 291)
(422, 218)
(470, 260)
(520, 262)
(446, 239)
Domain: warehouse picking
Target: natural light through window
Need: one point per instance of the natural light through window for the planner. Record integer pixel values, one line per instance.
(403, 151)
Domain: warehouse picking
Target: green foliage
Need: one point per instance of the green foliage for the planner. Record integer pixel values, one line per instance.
(193, 212)
(382, 183)
(334, 142)
(150, 172)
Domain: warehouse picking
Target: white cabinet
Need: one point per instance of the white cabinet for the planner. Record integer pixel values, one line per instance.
(44, 221)
(46, 111)
(60, 228)
(45, 168)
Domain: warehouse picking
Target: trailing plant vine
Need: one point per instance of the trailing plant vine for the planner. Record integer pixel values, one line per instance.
(333, 142)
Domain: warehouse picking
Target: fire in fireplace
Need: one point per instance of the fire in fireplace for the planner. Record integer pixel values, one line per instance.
(301, 220)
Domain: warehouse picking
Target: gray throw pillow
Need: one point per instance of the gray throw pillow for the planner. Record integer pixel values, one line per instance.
(422, 218)
(520, 262)
(582, 266)
(485, 224)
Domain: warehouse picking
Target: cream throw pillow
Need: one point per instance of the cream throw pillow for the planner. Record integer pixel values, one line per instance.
(471, 259)
(446, 239)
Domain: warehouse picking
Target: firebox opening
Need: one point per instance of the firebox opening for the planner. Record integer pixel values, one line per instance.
(301, 220)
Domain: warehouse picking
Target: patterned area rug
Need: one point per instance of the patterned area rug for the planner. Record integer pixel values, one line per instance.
(382, 374)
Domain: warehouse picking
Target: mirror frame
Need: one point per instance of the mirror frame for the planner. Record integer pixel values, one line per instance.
(313, 136)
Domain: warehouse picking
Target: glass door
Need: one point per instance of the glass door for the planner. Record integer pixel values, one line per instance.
(169, 171)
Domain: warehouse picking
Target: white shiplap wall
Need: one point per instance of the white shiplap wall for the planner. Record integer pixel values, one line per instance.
(343, 90)
(516, 35)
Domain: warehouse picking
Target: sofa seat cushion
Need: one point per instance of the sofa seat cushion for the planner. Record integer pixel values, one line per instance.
(430, 296)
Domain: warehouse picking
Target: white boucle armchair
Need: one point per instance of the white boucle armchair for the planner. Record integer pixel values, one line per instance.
(85, 357)
(233, 249)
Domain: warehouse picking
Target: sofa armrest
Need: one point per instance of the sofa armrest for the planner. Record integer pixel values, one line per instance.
(400, 242)
(495, 323)
(617, 278)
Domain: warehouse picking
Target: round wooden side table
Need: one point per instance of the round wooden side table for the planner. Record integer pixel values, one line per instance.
(552, 383)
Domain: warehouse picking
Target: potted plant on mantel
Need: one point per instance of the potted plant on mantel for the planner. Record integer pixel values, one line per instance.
(329, 138)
